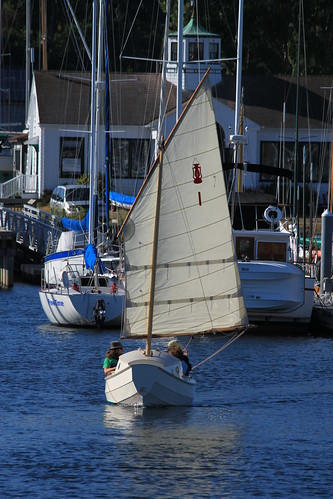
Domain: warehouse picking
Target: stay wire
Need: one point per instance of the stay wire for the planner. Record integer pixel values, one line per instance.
(237, 335)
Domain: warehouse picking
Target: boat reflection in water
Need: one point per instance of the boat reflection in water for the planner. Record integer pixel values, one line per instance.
(170, 442)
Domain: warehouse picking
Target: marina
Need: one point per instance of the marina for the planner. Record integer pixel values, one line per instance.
(183, 234)
(261, 423)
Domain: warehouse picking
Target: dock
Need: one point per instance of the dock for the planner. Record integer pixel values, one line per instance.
(26, 235)
(7, 255)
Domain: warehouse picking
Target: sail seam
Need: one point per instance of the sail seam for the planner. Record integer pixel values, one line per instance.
(181, 264)
(236, 294)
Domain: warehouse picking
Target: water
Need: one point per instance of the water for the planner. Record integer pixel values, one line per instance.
(261, 425)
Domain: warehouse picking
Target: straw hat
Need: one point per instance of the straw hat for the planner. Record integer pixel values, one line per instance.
(174, 343)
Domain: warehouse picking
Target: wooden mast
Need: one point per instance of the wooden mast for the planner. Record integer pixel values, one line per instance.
(44, 33)
(154, 255)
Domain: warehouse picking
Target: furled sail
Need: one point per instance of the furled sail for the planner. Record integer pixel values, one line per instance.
(196, 284)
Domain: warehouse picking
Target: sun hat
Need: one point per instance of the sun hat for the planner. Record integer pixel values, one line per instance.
(115, 344)
(174, 343)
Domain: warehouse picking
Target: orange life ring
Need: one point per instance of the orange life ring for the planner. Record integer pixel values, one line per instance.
(114, 289)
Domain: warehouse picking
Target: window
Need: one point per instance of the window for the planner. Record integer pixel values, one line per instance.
(245, 248)
(271, 154)
(174, 47)
(71, 157)
(130, 158)
(213, 51)
(272, 251)
(196, 51)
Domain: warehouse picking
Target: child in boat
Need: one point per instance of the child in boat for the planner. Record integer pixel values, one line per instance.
(175, 349)
(112, 357)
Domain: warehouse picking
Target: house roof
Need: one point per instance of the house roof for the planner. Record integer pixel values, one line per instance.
(135, 98)
(264, 97)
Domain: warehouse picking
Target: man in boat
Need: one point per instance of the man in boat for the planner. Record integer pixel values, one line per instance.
(175, 349)
(112, 357)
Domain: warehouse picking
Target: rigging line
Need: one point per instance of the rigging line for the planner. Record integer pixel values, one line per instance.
(70, 8)
(67, 6)
(237, 335)
(130, 30)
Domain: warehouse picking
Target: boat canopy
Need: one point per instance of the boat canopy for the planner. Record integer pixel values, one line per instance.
(90, 257)
(76, 225)
(121, 200)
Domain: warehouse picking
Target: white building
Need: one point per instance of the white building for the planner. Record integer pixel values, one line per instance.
(58, 120)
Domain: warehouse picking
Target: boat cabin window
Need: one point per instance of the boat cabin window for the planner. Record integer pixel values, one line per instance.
(272, 251)
(88, 281)
(245, 248)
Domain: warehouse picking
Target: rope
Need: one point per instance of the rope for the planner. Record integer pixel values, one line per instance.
(232, 339)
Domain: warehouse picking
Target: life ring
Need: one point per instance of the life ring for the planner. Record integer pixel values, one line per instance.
(114, 289)
(273, 214)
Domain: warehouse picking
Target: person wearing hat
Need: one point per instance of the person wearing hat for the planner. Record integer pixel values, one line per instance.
(175, 349)
(112, 357)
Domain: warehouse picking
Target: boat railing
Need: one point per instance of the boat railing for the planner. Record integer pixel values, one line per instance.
(70, 279)
(310, 269)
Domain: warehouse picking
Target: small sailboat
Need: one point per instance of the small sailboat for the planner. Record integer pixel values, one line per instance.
(76, 288)
(181, 269)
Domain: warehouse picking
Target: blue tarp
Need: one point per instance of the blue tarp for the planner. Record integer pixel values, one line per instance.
(90, 257)
(121, 199)
(76, 225)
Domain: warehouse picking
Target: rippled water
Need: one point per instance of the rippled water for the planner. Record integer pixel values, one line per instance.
(261, 424)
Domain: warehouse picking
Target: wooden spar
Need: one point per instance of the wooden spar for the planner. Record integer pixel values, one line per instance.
(154, 255)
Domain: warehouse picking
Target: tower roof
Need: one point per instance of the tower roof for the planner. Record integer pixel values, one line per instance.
(193, 28)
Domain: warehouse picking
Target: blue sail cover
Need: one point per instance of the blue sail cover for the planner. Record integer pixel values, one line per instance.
(90, 257)
(76, 225)
(121, 199)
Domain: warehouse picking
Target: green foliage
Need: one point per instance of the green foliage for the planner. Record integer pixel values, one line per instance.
(269, 41)
(85, 180)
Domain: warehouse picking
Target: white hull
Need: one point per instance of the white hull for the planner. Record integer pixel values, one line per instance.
(149, 381)
(68, 307)
(276, 292)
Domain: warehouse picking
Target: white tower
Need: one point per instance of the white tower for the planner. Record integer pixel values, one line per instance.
(201, 51)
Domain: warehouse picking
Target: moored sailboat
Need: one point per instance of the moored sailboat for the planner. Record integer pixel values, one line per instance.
(181, 270)
(85, 294)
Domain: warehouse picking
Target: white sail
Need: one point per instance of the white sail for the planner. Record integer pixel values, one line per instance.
(197, 286)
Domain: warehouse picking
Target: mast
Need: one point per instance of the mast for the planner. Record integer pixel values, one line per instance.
(92, 124)
(27, 58)
(180, 57)
(154, 256)
(236, 139)
(44, 33)
(239, 71)
(163, 79)
(296, 122)
(106, 118)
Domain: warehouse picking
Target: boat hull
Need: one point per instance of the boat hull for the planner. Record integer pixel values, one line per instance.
(276, 292)
(149, 381)
(71, 308)
(322, 317)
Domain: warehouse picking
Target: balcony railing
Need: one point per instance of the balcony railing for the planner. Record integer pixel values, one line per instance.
(19, 185)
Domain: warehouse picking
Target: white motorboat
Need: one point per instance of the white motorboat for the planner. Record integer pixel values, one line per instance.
(277, 291)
